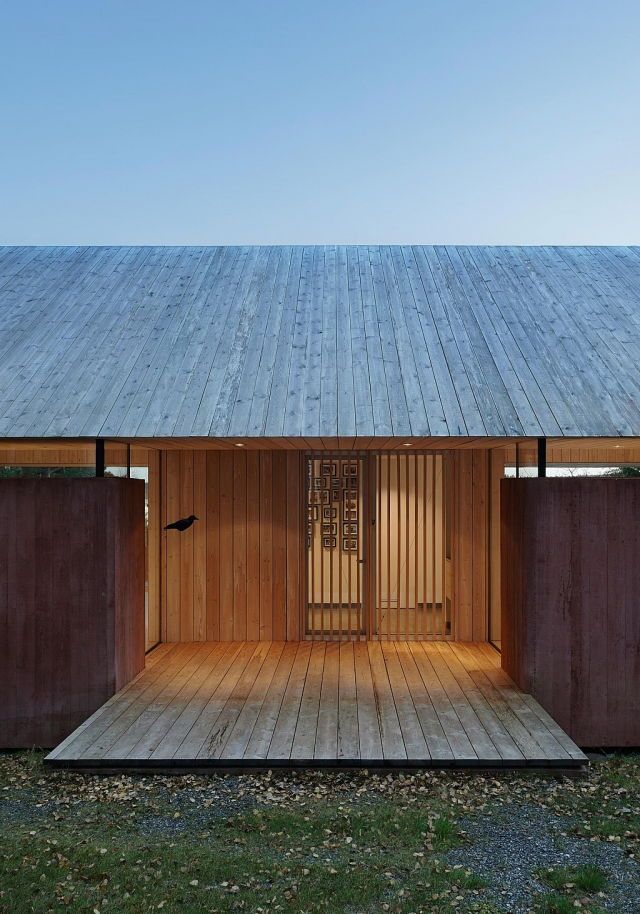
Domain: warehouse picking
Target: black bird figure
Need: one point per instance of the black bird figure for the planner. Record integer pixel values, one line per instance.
(183, 524)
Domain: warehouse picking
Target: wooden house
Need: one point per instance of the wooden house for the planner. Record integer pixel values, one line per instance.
(412, 541)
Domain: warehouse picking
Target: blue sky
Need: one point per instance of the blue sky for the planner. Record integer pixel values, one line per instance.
(333, 122)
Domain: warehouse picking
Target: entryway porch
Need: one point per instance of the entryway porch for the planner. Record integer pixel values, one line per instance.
(268, 704)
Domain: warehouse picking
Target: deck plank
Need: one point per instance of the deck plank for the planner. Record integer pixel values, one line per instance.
(237, 700)
(519, 733)
(482, 743)
(303, 703)
(348, 737)
(368, 721)
(304, 739)
(454, 731)
(260, 739)
(393, 746)
(326, 745)
(241, 730)
(114, 705)
(434, 734)
(155, 734)
(412, 735)
(484, 709)
(542, 727)
(144, 721)
(121, 713)
(285, 728)
(200, 731)
(192, 710)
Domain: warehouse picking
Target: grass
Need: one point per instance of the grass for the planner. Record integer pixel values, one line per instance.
(352, 843)
(587, 878)
(562, 904)
(162, 853)
(251, 862)
(556, 904)
(570, 885)
(444, 831)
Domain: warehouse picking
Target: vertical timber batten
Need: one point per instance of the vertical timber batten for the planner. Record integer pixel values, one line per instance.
(235, 573)
(471, 512)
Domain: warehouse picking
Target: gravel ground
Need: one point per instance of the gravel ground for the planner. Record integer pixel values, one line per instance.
(190, 810)
(506, 846)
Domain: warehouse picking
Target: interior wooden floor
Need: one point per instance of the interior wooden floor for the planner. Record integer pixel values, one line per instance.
(308, 703)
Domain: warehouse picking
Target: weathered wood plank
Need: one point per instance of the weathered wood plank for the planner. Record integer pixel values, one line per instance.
(262, 734)
(285, 728)
(348, 738)
(319, 341)
(368, 720)
(288, 703)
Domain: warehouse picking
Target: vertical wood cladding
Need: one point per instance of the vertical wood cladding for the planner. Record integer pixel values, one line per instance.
(72, 569)
(471, 544)
(570, 596)
(154, 634)
(236, 574)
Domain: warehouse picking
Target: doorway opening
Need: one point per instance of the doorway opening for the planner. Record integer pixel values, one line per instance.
(378, 547)
(411, 550)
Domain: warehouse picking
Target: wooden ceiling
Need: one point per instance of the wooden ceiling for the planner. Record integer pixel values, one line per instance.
(528, 446)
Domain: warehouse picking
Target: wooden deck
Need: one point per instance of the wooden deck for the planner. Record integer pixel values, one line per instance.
(232, 704)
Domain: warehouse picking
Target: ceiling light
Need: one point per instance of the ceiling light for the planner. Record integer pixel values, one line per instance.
(407, 443)
(239, 444)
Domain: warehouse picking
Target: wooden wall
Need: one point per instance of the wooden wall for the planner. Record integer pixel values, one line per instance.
(71, 601)
(67, 456)
(497, 463)
(471, 540)
(236, 574)
(571, 602)
(154, 550)
(590, 451)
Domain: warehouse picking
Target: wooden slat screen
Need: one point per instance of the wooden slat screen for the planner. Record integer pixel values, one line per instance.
(382, 571)
(412, 600)
(336, 517)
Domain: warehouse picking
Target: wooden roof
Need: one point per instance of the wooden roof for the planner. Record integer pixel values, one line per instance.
(319, 341)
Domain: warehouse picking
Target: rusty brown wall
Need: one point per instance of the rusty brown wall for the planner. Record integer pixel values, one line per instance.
(571, 602)
(72, 572)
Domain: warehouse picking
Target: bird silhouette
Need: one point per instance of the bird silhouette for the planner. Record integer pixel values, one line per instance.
(183, 524)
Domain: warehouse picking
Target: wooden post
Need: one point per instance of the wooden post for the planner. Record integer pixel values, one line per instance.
(100, 457)
(542, 457)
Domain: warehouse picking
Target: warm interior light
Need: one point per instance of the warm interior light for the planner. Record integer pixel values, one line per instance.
(407, 444)
(239, 444)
